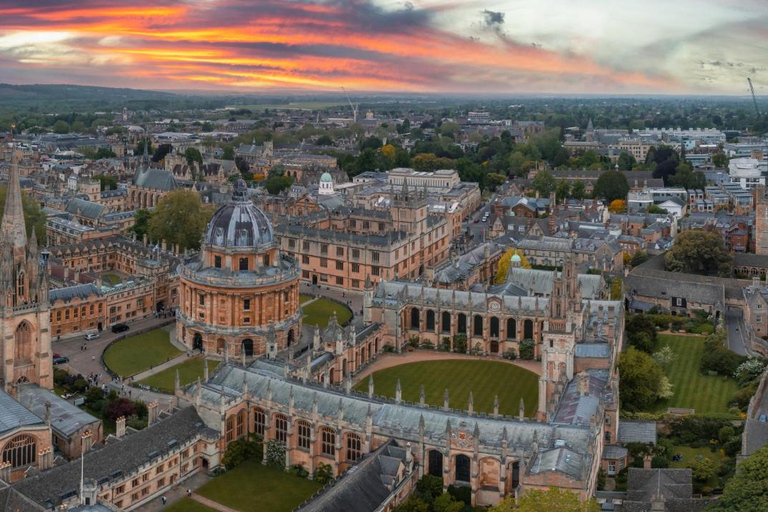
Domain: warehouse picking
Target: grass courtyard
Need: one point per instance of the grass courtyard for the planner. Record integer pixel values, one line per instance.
(140, 352)
(189, 371)
(111, 279)
(705, 393)
(484, 378)
(304, 298)
(319, 311)
(252, 486)
(188, 505)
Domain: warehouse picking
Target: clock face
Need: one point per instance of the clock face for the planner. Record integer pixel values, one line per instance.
(494, 306)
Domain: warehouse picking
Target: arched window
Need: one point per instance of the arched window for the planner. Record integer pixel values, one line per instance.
(430, 320)
(230, 429)
(305, 434)
(20, 295)
(462, 468)
(511, 329)
(462, 323)
(20, 451)
(528, 330)
(414, 318)
(478, 325)
(240, 430)
(281, 428)
(243, 263)
(23, 343)
(328, 446)
(436, 463)
(494, 327)
(248, 347)
(354, 447)
(445, 322)
(259, 420)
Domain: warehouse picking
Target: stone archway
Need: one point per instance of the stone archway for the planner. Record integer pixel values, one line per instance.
(248, 347)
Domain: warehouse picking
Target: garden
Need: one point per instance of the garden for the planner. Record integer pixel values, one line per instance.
(485, 379)
(189, 371)
(135, 354)
(319, 311)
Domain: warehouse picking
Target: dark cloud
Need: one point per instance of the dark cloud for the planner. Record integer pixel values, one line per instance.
(492, 18)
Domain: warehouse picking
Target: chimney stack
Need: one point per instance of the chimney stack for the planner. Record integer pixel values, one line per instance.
(120, 427)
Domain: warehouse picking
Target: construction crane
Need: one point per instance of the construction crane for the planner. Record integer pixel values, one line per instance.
(354, 107)
(752, 90)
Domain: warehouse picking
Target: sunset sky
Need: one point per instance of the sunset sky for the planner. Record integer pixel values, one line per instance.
(461, 46)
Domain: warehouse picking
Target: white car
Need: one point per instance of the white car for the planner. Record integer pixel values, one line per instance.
(92, 336)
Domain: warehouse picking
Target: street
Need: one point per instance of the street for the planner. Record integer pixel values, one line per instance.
(734, 325)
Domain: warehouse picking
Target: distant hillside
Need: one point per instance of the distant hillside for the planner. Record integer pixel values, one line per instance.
(39, 92)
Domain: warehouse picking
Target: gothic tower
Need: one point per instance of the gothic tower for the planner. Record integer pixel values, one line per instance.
(409, 209)
(25, 338)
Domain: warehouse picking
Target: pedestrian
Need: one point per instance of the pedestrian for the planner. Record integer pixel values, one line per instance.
(189, 493)
(164, 499)
(93, 358)
(129, 392)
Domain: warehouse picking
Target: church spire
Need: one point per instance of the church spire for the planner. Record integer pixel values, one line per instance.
(13, 216)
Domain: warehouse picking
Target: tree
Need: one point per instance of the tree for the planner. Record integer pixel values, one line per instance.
(60, 127)
(324, 140)
(140, 223)
(544, 183)
(553, 499)
(611, 185)
(563, 190)
(617, 206)
(639, 258)
(34, 218)
(193, 155)
(702, 469)
(578, 190)
(388, 152)
(719, 160)
(655, 209)
(504, 262)
(747, 490)
(687, 178)
(641, 333)
(626, 161)
(107, 182)
(699, 252)
(446, 503)
(228, 153)
(640, 380)
(179, 218)
(276, 184)
(527, 349)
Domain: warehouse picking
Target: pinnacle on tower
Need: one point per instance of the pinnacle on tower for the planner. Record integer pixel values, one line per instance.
(13, 217)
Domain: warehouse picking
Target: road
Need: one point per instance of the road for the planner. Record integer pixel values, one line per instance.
(476, 229)
(734, 324)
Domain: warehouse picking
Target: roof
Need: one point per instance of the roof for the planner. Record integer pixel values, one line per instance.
(119, 458)
(611, 451)
(13, 415)
(66, 418)
(637, 432)
(239, 223)
(155, 179)
(672, 486)
(83, 208)
(80, 291)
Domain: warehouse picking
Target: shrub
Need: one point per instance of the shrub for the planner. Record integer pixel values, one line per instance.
(510, 354)
(427, 344)
(659, 462)
(240, 451)
(527, 349)
(298, 470)
(323, 474)
(79, 386)
(275, 454)
(446, 344)
(430, 485)
(94, 394)
(135, 423)
(461, 494)
(725, 434)
(460, 343)
(703, 469)
(705, 328)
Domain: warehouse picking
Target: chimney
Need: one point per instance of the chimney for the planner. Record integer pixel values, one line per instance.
(647, 461)
(755, 282)
(583, 384)
(48, 413)
(151, 413)
(86, 442)
(120, 427)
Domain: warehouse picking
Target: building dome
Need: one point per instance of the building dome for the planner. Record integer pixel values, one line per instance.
(326, 178)
(239, 223)
(516, 258)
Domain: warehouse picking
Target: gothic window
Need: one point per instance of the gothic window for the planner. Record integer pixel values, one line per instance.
(445, 322)
(430, 320)
(354, 447)
(240, 431)
(528, 330)
(436, 463)
(20, 295)
(305, 434)
(259, 419)
(230, 429)
(281, 428)
(23, 343)
(494, 326)
(20, 451)
(217, 261)
(511, 329)
(328, 442)
(478, 325)
(414, 318)
(462, 468)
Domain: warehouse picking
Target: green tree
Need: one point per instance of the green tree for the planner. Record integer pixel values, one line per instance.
(639, 258)
(611, 185)
(703, 469)
(446, 503)
(719, 160)
(687, 178)
(179, 218)
(79, 127)
(228, 152)
(626, 161)
(193, 155)
(641, 333)
(276, 184)
(747, 490)
(324, 140)
(552, 500)
(640, 380)
(655, 209)
(699, 252)
(140, 223)
(579, 190)
(60, 127)
(544, 183)
(34, 218)
(563, 190)
(107, 182)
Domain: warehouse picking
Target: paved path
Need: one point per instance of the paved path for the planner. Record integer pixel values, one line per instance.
(737, 332)
(389, 360)
(161, 367)
(353, 299)
(176, 493)
(213, 504)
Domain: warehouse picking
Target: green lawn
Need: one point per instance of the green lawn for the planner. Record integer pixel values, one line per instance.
(188, 505)
(304, 298)
(484, 378)
(689, 455)
(319, 311)
(705, 393)
(189, 371)
(138, 353)
(111, 279)
(252, 486)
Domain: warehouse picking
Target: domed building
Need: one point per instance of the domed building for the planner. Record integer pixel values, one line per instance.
(241, 296)
(326, 185)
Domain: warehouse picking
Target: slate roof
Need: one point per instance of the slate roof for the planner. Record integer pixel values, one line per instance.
(155, 179)
(542, 281)
(637, 432)
(593, 350)
(13, 415)
(66, 418)
(80, 291)
(365, 487)
(124, 457)
(672, 485)
(84, 208)
(611, 451)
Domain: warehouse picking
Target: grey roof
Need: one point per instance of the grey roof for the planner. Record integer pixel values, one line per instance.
(155, 179)
(239, 223)
(13, 415)
(365, 486)
(560, 459)
(637, 432)
(593, 350)
(542, 281)
(673, 486)
(67, 419)
(80, 291)
(12, 501)
(124, 457)
(84, 208)
(611, 451)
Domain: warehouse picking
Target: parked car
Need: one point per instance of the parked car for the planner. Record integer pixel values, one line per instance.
(763, 418)
(120, 328)
(92, 336)
(60, 360)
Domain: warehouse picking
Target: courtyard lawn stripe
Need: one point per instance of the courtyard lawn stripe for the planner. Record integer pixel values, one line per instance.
(319, 311)
(484, 378)
(189, 371)
(140, 352)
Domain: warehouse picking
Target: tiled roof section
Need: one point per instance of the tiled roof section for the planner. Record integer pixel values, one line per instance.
(12, 501)
(637, 432)
(66, 418)
(593, 350)
(84, 208)
(80, 291)
(155, 179)
(576, 409)
(124, 456)
(365, 487)
(13, 415)
(560, 459)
